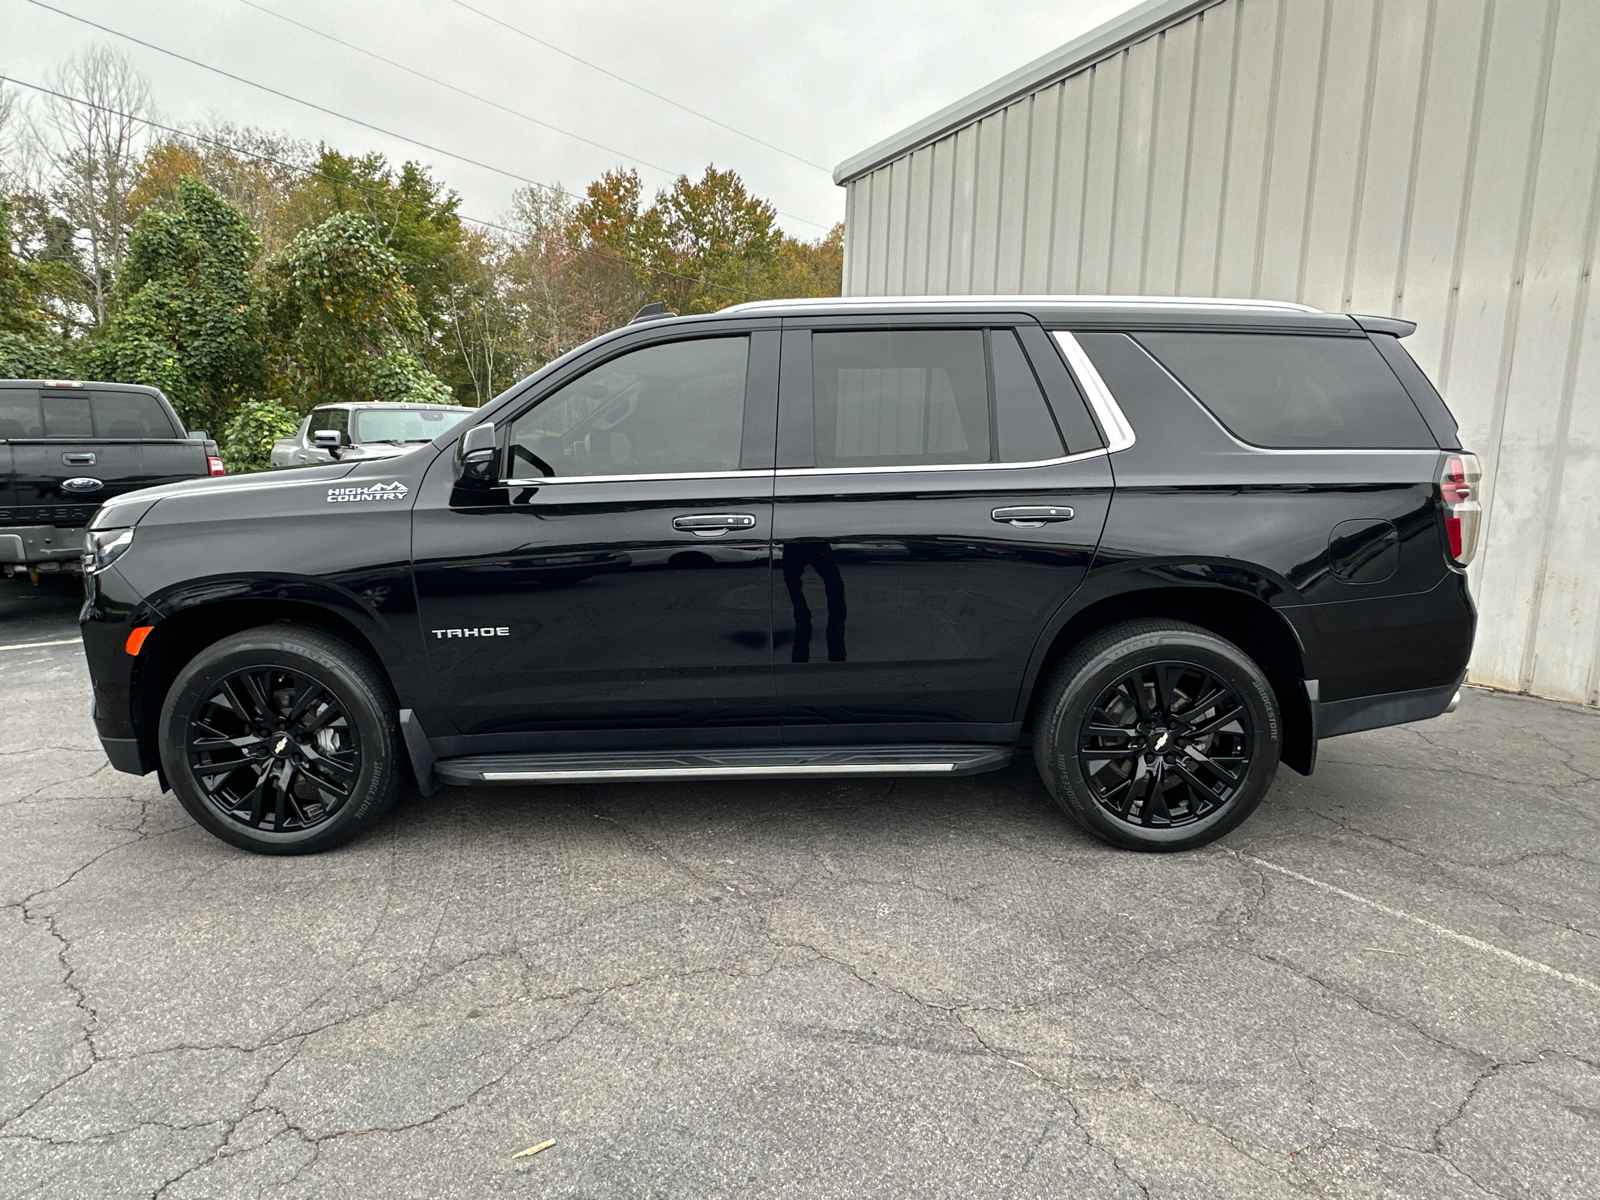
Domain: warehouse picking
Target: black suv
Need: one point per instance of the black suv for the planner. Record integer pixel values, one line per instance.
(1166, 544)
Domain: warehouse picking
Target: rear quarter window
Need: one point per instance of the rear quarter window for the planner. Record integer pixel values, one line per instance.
(1294, 392)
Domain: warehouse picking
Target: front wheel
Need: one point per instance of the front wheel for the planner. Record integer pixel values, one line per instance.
(1157, 735)
(281, 740)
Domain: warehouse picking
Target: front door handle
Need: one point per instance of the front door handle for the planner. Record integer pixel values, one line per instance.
(1032, 516)
(713, 524)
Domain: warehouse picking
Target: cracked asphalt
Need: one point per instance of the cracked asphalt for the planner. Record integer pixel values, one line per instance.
(1385, 984)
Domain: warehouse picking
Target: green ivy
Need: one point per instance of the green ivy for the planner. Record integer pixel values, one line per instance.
(247, 439)
(190, 316)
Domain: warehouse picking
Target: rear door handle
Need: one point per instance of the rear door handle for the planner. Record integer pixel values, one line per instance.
(78, 460)
(1032, 516)
(713, 524)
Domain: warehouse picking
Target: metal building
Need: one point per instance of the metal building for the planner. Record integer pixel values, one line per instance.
(1432, 159)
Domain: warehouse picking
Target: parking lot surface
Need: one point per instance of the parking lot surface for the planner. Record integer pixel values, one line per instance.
(1385, 984)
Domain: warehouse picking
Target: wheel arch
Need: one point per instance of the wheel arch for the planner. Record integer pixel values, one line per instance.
(1243, 619)
(192, 622)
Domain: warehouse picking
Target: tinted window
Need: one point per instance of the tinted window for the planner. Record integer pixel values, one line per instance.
(19, 414)
(1292, 391)
(665, 409)
(1027, 431)
(403, 424)
(66, 414)
(129, 415)
(893, 398)
(337, 419)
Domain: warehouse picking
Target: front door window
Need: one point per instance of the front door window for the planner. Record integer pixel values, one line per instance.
(676, 408)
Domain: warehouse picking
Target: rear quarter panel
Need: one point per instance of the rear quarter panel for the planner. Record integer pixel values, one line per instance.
(1195, 507)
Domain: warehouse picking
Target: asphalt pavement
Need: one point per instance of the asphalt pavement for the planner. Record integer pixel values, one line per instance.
(1385, 984)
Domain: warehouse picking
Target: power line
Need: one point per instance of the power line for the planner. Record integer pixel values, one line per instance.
(638, 86)
(304, 170)
(194, 62)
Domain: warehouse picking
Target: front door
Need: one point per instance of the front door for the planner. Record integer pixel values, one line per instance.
(933, 512)
(617, 578)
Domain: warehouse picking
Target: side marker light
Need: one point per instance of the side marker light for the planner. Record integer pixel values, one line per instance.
(135, 642)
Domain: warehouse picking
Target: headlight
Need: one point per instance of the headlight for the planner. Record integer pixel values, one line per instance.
(102, 547)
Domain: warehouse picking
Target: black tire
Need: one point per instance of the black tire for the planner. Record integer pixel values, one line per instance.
(288, 718)
(1157, 735)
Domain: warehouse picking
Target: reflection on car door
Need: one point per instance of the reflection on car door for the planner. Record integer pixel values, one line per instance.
(619, 575)
(932, 513)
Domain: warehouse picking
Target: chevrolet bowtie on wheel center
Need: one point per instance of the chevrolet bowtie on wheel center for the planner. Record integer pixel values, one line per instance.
(1164, 545)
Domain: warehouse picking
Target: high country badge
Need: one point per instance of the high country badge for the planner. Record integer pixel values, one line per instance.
(375, 491)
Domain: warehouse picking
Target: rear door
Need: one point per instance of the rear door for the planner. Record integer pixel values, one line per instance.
(933, 510)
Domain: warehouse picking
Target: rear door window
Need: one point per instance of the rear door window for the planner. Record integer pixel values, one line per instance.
(1290, 391)
(19, 414)
(66, 414)
(900, 398)
(134, 415)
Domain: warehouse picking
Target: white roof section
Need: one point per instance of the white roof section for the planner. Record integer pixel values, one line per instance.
(1131, 26)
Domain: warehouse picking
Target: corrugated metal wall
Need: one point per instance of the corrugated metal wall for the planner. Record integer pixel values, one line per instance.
(1432, 159)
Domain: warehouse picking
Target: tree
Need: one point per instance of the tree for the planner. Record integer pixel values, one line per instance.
(92, 150)
(29, 347)
(344, 320)
(190, 314)
(248, 436)
(254, 170)
(710, 243)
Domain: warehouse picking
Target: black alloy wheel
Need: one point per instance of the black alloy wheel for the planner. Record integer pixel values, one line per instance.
(1157, 735)
(1166, 745)
(283, 739)
(273, 749)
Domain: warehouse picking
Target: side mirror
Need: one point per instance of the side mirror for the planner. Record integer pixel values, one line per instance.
(199, 435)
(475, 455)
(327, 439)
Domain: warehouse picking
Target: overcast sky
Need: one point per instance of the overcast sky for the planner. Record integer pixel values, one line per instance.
(820, 80)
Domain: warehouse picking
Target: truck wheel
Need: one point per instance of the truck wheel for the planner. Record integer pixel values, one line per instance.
(1157, 735)
(282, 739)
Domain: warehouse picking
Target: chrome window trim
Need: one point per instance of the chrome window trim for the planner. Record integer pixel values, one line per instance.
(939, 468)
(1119, 433)
(763, 472)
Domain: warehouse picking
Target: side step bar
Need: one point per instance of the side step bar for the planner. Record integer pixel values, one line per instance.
(782, 762)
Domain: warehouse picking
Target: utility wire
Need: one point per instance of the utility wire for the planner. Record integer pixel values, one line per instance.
(637, 86)
(481, 99)
(194, 62)
(318, 171)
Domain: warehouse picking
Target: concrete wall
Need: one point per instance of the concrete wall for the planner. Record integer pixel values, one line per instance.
(1432, 159)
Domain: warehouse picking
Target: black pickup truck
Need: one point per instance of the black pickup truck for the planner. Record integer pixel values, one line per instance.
(66, 447)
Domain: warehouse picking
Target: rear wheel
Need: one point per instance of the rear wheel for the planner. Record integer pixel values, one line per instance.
(281, 740)
(1157, 735)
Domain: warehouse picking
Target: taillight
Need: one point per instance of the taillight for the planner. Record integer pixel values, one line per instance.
(1458, 494)
(214, 465)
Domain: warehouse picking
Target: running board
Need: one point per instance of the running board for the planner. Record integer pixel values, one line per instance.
(783, 762)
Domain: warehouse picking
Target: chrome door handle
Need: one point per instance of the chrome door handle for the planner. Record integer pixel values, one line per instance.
(1032, 516)
(713, 524)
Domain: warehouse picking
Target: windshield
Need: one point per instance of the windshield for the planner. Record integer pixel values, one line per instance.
(404, 424)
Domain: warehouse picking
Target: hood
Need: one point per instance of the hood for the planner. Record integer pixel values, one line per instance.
(130, 508)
